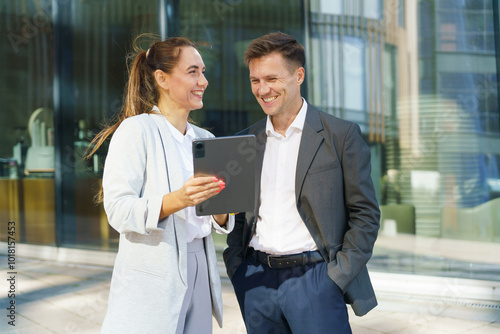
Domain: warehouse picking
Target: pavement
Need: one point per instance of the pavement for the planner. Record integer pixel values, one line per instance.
(56, 297)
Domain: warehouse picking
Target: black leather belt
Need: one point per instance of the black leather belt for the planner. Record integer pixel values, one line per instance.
(287, 261)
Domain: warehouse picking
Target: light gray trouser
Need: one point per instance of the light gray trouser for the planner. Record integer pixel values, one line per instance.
(196, 311)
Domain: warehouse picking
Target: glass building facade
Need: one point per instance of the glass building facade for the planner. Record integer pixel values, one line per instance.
(418, 76)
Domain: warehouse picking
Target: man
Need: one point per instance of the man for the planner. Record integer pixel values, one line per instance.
(297, 260)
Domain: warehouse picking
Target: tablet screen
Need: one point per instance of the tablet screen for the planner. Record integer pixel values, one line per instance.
(231, 159)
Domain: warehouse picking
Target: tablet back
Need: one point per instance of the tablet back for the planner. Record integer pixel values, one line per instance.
(231, 159)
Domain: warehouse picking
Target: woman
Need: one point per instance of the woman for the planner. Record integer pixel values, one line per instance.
(165, 278)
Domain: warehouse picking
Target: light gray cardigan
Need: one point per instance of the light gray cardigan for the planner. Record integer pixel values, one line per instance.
(149, 277)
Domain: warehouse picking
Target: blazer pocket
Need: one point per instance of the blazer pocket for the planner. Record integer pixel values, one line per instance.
(322, 168)
(140, 271)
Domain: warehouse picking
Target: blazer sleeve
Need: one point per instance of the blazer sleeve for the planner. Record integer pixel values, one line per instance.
(362, 207)
(123, 182)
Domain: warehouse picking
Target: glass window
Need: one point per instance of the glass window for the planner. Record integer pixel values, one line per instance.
(101, 35)
(373, 9)
(228, 27)
(354, 76)
(27, 187)
(325, 80)
(93, 48)
(477, 94)
(466, 27)
(437, 174)
(401, 13)
(331, 7)
(429, 109)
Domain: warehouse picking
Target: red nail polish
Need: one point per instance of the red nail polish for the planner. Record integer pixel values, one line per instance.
(215, 179)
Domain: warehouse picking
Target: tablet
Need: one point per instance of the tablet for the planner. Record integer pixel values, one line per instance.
(231, 159)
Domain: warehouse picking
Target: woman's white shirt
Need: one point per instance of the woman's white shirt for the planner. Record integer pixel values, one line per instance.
(197, 227)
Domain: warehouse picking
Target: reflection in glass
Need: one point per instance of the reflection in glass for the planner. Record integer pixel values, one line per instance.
(102, 35)
(419, 77)
(26, 121)
(436, 118)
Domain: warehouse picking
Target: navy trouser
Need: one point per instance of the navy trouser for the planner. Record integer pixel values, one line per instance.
(301, 299)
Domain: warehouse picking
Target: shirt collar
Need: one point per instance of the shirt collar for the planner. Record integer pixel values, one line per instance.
(178, 136)
(298, 122)
(156, 109)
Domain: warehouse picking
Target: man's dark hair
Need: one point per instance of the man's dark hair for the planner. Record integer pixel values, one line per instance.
(278, 42)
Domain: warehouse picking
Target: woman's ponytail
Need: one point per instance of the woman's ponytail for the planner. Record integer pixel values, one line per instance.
(140, 95)
(141, 92)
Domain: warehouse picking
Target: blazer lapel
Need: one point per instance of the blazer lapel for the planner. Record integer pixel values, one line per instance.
(175, 176)
(309, 145)
(172, 158)
(261, 138)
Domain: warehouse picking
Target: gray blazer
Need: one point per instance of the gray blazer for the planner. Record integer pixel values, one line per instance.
(149, 276)
(335, 198)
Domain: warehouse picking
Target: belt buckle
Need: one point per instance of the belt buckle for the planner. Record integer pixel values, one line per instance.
(269, 260)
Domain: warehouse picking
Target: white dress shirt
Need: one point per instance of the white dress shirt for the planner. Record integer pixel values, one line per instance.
(280, 229)
(197, 227)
